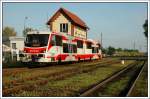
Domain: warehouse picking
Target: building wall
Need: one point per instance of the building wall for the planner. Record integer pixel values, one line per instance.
(79, 32)
(19, 44)
(19, 47)
(56, 24)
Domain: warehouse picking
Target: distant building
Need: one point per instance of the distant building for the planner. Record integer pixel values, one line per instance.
(16, 46)
(65, 21)
(5, 48)
(5, 52)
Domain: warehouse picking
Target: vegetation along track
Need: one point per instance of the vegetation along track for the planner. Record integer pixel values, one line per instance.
(119, 84)
(17, 85)
(15, 71)
(11, 76)
(139, 87)
(69, 86)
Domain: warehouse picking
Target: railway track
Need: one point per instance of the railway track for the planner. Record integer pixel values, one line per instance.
(58, 70)
(18, 85)
(10, 71)
(128, 93)
(91, 90)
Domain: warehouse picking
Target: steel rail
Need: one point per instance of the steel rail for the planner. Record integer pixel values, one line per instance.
(100, 84)
(133, 84)
(10, 90)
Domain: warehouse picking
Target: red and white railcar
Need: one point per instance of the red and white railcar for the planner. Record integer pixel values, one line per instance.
(58, 47)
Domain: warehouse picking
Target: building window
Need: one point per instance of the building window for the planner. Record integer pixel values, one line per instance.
(13, 45)
(64, 27)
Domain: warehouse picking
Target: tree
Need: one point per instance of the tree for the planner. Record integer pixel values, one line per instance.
(26, 30)
(145, 26)
(104, 51)
(119, 49)
(111, 50)
(9, 31)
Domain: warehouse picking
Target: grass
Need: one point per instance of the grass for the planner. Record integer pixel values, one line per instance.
(73, 85)
(13, 86)
(141, 86)
(116, 86)
(13, 64)
(32, 74)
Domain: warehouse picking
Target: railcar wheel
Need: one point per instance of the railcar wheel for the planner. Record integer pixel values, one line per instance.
(90, 58)
(59, 61)
(79, 59)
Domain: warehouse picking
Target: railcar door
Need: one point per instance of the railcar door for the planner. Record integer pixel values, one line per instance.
(70, 48)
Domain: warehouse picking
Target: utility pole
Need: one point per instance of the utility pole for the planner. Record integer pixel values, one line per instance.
(101, 40)
(25, 22)
(134, 45)
(140, 48)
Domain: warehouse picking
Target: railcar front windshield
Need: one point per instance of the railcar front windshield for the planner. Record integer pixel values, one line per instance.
(36, 40)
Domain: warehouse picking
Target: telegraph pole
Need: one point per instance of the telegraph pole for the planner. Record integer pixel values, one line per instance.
(25, 22)
(101, 40)
(134, 45)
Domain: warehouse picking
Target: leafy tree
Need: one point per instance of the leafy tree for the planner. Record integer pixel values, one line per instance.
(145, 26)
(111, 50)
(119, 49)
(104, 51)
(9, 31)
(26, 30)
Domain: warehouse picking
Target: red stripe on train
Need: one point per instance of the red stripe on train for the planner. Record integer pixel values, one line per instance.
(35, 50)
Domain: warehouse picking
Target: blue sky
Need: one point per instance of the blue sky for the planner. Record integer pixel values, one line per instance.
(120, 23)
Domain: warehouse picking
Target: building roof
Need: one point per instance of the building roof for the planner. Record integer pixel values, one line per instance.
(15, 38)
(71, 16)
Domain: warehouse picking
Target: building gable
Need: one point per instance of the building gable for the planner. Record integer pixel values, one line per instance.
(75, 20)
(62, 19)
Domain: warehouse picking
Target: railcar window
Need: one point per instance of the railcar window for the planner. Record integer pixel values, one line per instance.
(58, 40)
(89, 45)
(69, 48)
(36, 40)
(65, 48)
(97, 50)
(80, 44)
(94, 49)
(74, 48)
